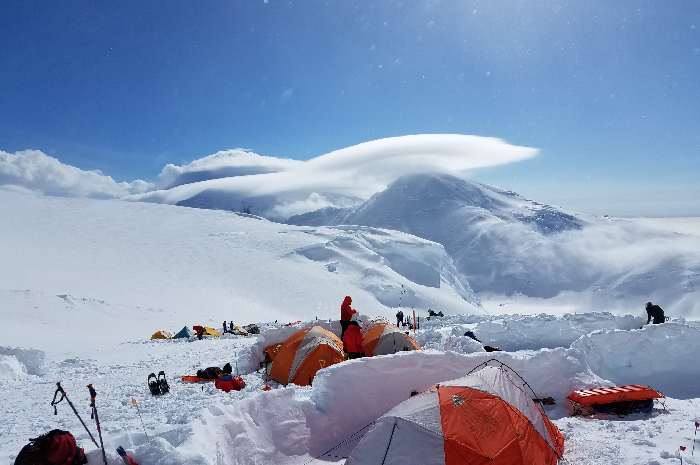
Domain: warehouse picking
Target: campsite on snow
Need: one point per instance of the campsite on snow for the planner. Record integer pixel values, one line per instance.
(300, 386)
(350, 232)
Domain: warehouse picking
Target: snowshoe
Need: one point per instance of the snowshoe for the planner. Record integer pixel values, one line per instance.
(163, 383)
(153, 385)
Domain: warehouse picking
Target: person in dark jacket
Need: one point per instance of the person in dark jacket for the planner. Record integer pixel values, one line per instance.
(346, 313)
(471, 335)
(655, 313)
(399, 318)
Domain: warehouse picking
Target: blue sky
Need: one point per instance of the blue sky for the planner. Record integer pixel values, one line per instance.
(608, 91)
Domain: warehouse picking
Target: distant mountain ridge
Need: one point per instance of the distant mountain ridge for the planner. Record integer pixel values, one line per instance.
(442, 194)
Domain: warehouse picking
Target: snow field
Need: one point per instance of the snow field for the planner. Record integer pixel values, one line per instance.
(664, 356)
(517, 332)
(73, 265)
(119, 374)
(197, 424)
(11, 369)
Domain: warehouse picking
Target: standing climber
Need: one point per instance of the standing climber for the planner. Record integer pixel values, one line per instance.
(225, 330)
(656, 313)
(346, 313)
(399, 318)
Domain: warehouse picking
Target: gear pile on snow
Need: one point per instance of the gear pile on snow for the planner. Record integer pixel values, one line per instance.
(57, 447)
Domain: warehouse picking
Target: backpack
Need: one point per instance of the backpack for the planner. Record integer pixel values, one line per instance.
(228, 383)
(57, 447)
(209, 373)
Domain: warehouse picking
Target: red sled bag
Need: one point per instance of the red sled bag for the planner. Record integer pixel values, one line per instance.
(57, 447)
(228, 383)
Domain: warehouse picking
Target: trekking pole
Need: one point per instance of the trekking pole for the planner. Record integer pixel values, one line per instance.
(55, 402)
(93, 395)
(135, 403)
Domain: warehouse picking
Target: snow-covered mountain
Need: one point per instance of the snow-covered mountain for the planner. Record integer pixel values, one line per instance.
(415, 202)
(505, 244)
(113, 261)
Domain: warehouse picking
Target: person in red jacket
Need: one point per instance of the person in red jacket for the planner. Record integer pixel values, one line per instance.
(346, 313)
(352, 341)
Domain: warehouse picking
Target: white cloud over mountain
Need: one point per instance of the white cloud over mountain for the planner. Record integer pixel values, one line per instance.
(277, 187)
(225, 163)
(37, 171)
(353, 172)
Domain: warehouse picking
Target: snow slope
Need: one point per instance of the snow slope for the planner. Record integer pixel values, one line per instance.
(85, 282)
(507, 245)
(108, 263)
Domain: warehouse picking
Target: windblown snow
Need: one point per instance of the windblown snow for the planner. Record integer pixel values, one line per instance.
(507, 245)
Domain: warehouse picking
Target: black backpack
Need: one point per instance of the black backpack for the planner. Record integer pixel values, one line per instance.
(57, 447)
(209, 373)
(158, 385)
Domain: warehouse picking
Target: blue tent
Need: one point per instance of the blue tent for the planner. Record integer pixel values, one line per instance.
(184, 333)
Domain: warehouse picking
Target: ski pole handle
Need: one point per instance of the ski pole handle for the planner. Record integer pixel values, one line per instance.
(54, 402)
(93, 393)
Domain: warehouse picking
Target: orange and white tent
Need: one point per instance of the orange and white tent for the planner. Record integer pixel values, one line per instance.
(483, 418)
(304, 353)
(384, 338)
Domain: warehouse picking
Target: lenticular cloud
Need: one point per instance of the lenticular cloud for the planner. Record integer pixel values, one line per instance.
(276, 187)
(366, 168)
(354, 172)
(222, 164)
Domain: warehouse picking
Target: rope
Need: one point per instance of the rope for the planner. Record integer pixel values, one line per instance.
(388, 446)
(343, 442)
(504, 365)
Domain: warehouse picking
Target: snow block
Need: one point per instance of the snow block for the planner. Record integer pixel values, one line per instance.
(663, 356)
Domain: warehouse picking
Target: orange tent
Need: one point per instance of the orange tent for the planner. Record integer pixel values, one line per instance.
(483, 418)
(304, 353)
(384, 338)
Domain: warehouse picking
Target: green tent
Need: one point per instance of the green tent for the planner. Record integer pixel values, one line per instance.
(184, 333)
